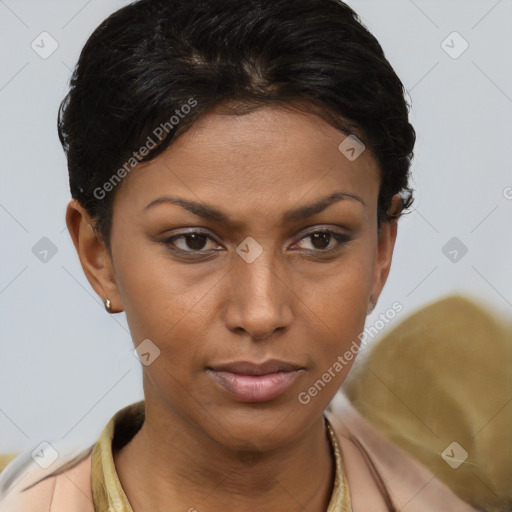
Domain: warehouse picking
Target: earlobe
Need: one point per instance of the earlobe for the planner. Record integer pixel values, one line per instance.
(93, 255)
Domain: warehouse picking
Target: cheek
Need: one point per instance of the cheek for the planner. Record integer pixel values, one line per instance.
(171, 305)
(336, 308)
(339, 289)
(156, 292)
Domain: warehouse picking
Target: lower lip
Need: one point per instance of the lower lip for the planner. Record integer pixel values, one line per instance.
(254, 388)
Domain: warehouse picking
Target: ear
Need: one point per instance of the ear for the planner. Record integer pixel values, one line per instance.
(385, 246)
(94, 257)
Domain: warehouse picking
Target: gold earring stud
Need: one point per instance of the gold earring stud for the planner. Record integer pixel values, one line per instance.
(108, 305)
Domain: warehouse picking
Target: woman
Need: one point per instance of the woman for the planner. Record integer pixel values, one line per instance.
(237, 170)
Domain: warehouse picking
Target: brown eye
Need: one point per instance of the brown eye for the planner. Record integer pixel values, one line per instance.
(323, 241)
(192, 242)
(320, 240)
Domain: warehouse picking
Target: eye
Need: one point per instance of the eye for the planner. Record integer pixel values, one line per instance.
(199, 243)
(191, 242)
(323, 241)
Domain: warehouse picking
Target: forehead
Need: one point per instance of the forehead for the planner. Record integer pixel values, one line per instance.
(271, 158)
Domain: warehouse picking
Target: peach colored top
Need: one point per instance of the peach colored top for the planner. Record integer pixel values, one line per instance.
(89, 481)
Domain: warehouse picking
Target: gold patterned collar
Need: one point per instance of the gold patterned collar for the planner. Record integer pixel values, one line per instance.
(109, 495)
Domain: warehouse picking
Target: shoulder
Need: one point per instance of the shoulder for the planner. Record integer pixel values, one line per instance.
(58, 477)
(66, 488)
(411, 485)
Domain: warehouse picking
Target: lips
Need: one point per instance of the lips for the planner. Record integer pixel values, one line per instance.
(247, 368)
(255, 382)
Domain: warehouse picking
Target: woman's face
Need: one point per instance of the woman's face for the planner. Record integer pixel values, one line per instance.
(255, 283)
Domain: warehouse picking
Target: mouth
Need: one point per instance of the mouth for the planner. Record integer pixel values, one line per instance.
(252, 382)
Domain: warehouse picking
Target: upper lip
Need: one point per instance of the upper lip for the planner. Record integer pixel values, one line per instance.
(249, 368)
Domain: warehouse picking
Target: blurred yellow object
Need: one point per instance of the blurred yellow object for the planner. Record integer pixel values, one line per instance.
(439, 385)
(5, 458)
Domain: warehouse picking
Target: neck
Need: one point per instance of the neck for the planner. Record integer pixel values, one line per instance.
(170, 463)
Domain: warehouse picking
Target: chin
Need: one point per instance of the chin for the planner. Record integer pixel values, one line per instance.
(259, 426)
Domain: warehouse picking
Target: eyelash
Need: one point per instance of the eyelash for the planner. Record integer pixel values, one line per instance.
(341, 239)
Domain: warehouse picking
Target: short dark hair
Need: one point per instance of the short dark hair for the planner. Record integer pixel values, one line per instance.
(152, 58)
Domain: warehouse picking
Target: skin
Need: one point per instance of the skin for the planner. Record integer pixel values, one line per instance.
(200, 448)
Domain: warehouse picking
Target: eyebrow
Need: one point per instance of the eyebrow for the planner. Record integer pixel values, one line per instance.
(214, 214)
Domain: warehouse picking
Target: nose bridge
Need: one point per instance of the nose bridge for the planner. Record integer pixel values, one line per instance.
(259, 300)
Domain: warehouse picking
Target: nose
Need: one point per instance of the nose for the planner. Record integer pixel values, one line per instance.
(259, 298)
